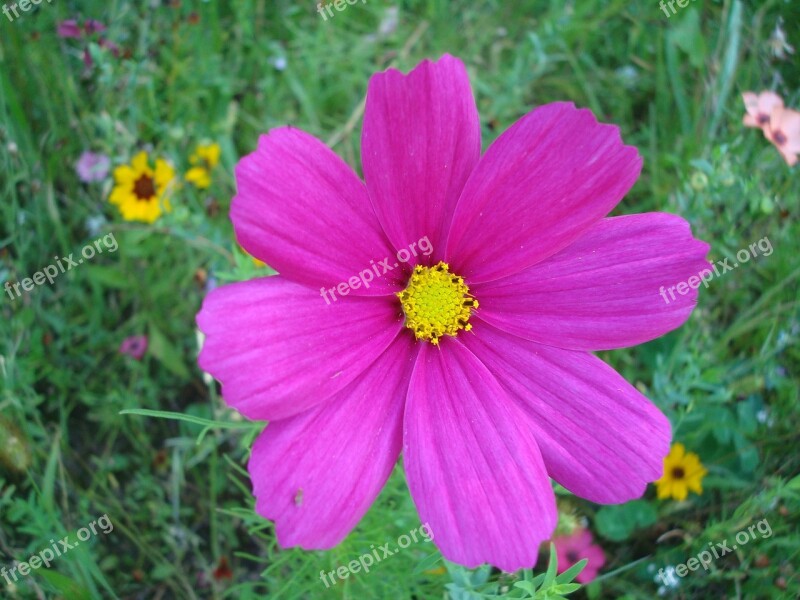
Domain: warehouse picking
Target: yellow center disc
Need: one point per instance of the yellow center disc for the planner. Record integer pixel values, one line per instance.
(436, 303)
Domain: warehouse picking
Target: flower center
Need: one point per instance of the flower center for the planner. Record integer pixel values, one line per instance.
(779, 137)
(678, 473)
(144, 188)
(436, 302)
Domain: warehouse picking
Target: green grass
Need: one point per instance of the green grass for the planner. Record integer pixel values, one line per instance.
(176, 489)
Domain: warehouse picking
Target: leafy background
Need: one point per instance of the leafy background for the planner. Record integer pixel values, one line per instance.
(189, 71)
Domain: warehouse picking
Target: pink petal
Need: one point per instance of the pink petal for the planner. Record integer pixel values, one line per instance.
(599, 437)
(588, 574)
(750, 100)
(473, 467)
(91, 26)
(279, 350)
(751, 121)
(303, 211)
(787, 121)
(317, 473)
(759, 107)
(595, 555)
(609, 289)
(421, 140)
(596, 559)
(69, 29)
(767, 101)
(548, 178)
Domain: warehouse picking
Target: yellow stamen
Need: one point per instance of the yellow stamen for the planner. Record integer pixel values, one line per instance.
(436, 303)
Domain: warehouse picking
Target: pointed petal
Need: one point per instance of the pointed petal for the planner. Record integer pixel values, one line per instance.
(600, 438)
(539, 186)
(614, 287)
(302, 210)
(317, 473)
(279, 350)
(473, 467)
(421, 141)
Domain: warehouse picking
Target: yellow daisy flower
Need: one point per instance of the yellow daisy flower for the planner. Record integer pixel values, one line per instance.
(204, 159)
(683, 471)
(141, 192)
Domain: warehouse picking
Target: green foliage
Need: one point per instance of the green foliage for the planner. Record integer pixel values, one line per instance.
(619, 522)
(85, 431)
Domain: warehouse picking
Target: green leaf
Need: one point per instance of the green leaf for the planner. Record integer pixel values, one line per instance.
(143, 412)
(527, 586)
(66, 586)
(617, 523)
(566, 588)
(688, 36)
(427, 563)
(160, 347)
(109, 277)
(552, 567)
(570, 574)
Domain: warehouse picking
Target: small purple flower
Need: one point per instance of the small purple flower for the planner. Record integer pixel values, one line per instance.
(109, 45)
(91, 26)
(92, 167)
(134, 346)
(69, 29)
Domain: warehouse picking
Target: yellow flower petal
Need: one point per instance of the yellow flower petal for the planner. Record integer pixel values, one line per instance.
(198, 176)
(164, 174)
(677, 452)
(141, 166)
(679, 491)
(663, 489)
(124, 175)
(210, 154)
(120, 195)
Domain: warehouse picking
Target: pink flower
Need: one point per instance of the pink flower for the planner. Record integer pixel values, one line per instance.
(91, 26)
(110, 46)
(784, 132)
(759, 108)
(92, 167)
(134, 346)
(573, 548)
(495, 389)
(69, 29)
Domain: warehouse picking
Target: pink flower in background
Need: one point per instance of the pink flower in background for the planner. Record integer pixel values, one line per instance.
(780, 125)
(69, 29)
(784, 132)
(575, 547)
(91, 26)
(92, 167)
(759, 108)
(474, 359)
(134, 346)
(109, 45)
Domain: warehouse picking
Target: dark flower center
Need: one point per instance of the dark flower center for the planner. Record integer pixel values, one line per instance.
(144, 188)
(779, 137)
(572, 556)
(763, 119)
(678, 472)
